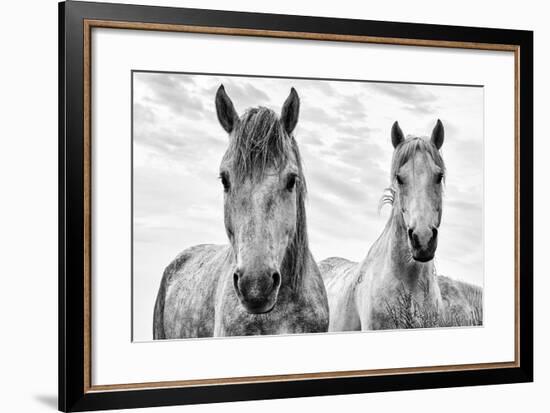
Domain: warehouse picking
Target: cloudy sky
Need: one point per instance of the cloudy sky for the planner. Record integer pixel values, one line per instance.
(344, 138)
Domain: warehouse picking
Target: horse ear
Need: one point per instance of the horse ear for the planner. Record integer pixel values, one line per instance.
(290, 111)
(227, 115)
(396, 135)
(438, 134)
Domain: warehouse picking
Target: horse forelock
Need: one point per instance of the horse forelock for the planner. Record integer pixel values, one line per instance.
(402, 154)
(259, 143)
(407, 149)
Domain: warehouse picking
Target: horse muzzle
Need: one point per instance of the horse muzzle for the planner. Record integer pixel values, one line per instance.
(257, 291)
(423, 243)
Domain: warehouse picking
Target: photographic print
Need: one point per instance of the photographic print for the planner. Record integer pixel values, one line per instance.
(267, 206)
(242, 193)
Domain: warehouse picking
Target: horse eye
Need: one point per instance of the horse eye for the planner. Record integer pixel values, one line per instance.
(291, 182)
(399, 180)
(225, 181)
(439, 178)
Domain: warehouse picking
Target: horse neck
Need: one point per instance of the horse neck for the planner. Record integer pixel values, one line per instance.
(402, 268)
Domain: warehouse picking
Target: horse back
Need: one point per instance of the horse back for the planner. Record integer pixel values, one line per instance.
(340, 277)
(185, 300)
(462, 302)
(334, 267)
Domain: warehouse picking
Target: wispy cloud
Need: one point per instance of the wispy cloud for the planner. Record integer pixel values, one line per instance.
(317, 116)
(414, 98)
(243, 94)
(172, 91)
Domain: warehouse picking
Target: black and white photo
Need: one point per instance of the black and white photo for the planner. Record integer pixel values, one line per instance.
(268, 205)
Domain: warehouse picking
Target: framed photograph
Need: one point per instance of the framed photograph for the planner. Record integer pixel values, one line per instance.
(258, 206)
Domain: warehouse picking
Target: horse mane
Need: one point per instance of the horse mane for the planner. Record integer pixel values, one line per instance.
(258, 143)
(402, 154)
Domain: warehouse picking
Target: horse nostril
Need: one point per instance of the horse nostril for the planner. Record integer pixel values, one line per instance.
(236, 277)
(434, 233)
(415, 242)
(276, 279)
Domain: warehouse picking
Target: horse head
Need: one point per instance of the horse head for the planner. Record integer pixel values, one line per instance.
(264, 190)
(418, 173)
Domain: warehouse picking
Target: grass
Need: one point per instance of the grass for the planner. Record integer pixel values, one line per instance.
(462, 306)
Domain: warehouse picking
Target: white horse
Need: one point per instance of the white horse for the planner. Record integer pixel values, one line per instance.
(396, 286)
(265, 281)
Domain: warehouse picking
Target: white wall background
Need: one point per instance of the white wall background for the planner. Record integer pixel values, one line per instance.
(28, 204)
